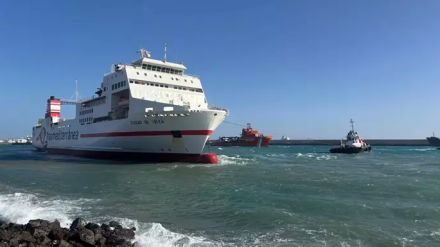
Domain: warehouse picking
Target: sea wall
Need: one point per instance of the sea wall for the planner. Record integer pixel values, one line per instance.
(329, 142)
(373, 142)
(41, 233)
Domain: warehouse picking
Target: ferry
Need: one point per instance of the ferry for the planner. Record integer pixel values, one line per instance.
(249, 138)
(149, 110)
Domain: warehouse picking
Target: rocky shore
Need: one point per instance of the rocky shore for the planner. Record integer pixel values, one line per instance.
(42, 233)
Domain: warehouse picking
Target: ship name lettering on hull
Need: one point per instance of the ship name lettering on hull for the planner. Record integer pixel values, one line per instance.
(155, 121)
(63, 135)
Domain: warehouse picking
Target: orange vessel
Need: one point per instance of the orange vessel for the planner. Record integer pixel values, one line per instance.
(249, 138)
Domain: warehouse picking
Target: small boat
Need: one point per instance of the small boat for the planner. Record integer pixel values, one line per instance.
(353, 144)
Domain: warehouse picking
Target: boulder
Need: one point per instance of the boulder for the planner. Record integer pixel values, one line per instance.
(87, 236)
(78, 223)
(42, 233)
(113, 223)
(94, 227)
(5, 235)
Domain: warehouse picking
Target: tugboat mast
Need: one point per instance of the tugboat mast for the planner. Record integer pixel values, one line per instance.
(352, 126)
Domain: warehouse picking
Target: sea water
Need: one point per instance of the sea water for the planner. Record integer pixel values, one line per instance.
(274, 196)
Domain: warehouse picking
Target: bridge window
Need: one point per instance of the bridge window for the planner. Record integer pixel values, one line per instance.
(162, 69)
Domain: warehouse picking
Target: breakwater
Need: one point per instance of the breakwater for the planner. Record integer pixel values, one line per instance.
(81, 234)
(333, 142)
(373, 142)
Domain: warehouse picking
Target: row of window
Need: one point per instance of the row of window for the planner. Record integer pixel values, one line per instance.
(199, 90)
(86, 120)
(93, 103)
(85, 112)
(162, 69)
(119, 85)
(172, 78)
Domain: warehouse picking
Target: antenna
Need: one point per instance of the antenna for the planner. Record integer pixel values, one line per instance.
(76, 90)
(165, 55)
(76, 95)
(144, 53)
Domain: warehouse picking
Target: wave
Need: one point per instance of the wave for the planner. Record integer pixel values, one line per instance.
(22, 207)
(423, 149)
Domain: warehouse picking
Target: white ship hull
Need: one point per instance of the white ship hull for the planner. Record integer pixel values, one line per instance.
(167, 138)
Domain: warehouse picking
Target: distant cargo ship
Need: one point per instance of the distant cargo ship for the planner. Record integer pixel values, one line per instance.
(249, 138)
(433, 140)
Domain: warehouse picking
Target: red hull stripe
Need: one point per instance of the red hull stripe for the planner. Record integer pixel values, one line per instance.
(148, 133)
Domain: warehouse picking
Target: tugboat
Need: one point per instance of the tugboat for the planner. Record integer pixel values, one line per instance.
(353, 144)
(249, 138)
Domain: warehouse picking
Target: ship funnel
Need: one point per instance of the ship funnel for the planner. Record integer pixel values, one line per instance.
(53, 109)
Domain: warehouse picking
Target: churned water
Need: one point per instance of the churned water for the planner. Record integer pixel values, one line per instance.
(275, 196)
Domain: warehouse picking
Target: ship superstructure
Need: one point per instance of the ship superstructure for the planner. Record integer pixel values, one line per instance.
(148, 110)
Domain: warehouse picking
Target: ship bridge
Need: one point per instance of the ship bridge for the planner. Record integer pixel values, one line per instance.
(146, 62)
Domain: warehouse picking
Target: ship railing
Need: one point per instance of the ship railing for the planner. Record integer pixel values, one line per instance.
(217, 108)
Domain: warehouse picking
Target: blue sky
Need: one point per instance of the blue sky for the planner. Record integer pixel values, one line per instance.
(298, 68)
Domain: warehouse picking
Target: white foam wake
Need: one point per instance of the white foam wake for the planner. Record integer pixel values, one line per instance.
(22, 207)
